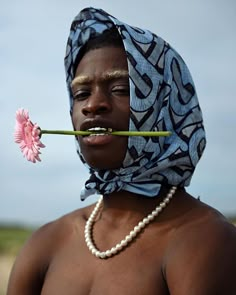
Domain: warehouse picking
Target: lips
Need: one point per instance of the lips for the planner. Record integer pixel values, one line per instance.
(100, 128)
(100, 136)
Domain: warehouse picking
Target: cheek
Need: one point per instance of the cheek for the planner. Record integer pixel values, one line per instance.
(125, 114)
(122, 105)
(75, 116)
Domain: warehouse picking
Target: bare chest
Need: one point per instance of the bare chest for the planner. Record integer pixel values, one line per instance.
(133, 272)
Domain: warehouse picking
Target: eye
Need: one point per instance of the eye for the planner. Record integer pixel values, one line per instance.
(81, 94)
(121, 90)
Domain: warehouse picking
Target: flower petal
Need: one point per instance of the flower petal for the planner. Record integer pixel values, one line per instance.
(27, 135)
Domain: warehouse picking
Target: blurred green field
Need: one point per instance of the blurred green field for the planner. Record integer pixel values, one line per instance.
(12, 239)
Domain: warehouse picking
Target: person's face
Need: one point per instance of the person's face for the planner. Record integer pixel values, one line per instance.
(101, 100)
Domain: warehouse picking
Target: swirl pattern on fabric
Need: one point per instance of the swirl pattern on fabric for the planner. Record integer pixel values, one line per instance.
(162, 97)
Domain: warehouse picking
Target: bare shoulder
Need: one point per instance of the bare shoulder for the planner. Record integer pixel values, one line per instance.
(51, 236)
(34, 258)
(205, 224)
(203, 251)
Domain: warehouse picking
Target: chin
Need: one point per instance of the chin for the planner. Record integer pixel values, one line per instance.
(103, 166)
(102, 163)
(103, 160)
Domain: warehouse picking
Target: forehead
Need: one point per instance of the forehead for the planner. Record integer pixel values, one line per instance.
(100, 59)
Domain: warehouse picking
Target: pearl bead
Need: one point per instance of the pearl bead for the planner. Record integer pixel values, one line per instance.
(162, 205)
(113, 250)
(141, 224)
(123, 243)
(93, 251)
(128, 239)
(108, 253)
(150, 217)
(145, 221)
(133, 233)
(102, 255)
(137, 228)
(119, 247)
(97, 254)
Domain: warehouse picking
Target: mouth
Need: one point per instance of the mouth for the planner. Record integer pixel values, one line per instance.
(99, 136)
(99, 131)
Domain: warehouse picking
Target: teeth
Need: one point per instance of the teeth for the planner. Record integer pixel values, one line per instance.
(99, 130)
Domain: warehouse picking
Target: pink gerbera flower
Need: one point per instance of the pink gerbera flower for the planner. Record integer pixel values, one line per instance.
(27, 135)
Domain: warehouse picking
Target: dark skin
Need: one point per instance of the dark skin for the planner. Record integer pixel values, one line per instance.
(189, 249)
(101, 99)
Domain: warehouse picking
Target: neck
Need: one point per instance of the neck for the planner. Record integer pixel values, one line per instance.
(124, 205)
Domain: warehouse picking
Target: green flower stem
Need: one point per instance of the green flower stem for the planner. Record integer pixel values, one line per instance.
(141, 133)
(120, 133)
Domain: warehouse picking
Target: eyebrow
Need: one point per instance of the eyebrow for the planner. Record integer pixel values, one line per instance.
(109, 75)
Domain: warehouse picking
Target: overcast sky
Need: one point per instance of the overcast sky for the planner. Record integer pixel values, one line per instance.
(33, 36)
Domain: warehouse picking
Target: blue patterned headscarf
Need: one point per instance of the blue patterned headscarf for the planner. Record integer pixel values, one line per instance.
(162, 97)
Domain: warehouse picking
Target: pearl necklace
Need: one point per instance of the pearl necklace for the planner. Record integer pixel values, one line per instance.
(120, 246)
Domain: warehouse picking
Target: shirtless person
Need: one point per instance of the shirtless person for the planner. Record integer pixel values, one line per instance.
(186, 249)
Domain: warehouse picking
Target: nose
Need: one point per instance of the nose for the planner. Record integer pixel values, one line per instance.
(97, 103)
